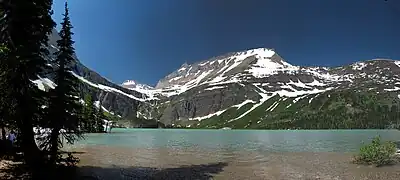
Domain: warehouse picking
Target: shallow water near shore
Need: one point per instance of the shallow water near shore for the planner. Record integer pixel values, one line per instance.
(229, 154)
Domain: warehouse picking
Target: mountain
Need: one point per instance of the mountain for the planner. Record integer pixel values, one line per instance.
(115, 98)
(257, 88)
(253, 88)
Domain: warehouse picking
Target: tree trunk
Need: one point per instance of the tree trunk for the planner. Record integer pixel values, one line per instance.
(30, 149)
(32, 154)
(3, 133)
(54, 145)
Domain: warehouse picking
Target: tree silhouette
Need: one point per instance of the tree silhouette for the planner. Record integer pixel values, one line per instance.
(64, 101)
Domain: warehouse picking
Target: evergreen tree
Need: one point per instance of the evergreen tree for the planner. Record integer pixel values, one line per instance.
(64, 100)
(88, 114)
(24, 30)
(99, 118)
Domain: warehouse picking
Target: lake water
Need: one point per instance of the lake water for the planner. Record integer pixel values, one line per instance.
(231, 154)
(252, 140)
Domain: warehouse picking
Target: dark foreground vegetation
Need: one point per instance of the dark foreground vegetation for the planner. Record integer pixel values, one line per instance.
(24, 35)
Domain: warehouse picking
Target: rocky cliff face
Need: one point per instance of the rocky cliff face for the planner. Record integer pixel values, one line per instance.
(251, 79)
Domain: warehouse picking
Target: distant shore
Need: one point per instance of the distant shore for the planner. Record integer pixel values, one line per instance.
(227, 128)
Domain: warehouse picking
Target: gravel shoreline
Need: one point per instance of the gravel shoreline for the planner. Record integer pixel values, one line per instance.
(105, 162)
(163, 163)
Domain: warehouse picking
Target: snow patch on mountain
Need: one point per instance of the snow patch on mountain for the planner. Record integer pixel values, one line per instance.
(232, 80)
(326, 76)
(214, 87)
(275, 105)
(393, 89)
(283, 93)
(209, 115)
(286, 93)
(42, 83)
(142, 88)
(132, 85)
(309, 101)
(107, 88)
(359, 65)
(238, 106)
(97, 104)
(298, 98)
(397, 63)
(316, 83)
(266, 67)
(264, 98)
(299, 84)
(272, 106)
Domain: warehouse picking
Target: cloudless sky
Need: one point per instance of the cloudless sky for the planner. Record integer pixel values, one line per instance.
(144, 40)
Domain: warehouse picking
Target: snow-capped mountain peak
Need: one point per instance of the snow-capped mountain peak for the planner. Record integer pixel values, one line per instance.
(131, 84)
(229, 68)
(261, 65)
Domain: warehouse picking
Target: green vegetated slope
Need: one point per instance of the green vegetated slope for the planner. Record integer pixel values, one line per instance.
(339, 109)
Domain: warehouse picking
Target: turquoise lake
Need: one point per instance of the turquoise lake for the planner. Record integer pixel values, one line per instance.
(230, 154)
(251, 140)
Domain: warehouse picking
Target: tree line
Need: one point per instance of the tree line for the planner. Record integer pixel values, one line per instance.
(25, 27)
(344, 110)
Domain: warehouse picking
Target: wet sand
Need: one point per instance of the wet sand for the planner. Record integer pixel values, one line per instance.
(165, 163)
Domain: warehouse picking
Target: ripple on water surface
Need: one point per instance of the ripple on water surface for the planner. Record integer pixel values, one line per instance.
(251, 140)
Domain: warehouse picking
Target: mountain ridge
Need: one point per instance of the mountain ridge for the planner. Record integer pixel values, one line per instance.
(238, 88)
(185, 66)
(255, 77)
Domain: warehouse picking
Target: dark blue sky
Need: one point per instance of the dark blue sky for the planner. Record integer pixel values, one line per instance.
(144, 40)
